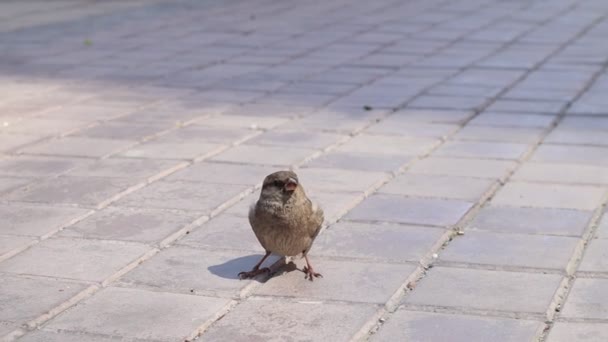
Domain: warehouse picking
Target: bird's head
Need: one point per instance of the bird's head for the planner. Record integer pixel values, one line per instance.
(280, 185)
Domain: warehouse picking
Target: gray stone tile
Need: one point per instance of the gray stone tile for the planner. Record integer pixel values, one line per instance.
(200, 197)
(130, 224)
(122, 130)
(571, 154)
(88, 191)
(23, 299)
(333, 321)
(522, 106)
(596, 257)
(172, 150)
(531, 220)
(602, 230)
(588, 332)
(386, 242)
(297, 139)
(29, 220)
(449, 187)
(123, 168)
(539, 251)
(43, 126)
(340, 119)
(79, 147)
(8, 184)
(412, 129)
(392, 145)
(576, 137)
(492, 150)
(264, 155)
(447, 102)
(588, 298)
(204, 134)
(513, 120)
(431, 115)
(481, 168)
(222, 232)
(64, 336)
(9, 243)
(500, 134)
(30, 166)
(91, 260)
(422, 326)
(9, 142)
(338, 179)
(223, 173)
(486, 290)
(359, 161)
(549, 196)
(195, 270)
(6, 327)
(378, 281)
(242, 121)
(391, 208)
(139, 314)
(562, 173)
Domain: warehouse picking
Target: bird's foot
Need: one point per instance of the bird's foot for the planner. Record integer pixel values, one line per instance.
(310, 274)
(253, 273)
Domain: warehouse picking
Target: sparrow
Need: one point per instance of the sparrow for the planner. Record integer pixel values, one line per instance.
(284, 221)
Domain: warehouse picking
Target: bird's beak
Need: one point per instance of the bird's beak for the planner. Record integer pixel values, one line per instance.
(291, 184)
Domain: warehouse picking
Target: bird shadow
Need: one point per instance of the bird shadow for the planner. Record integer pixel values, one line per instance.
(231, 268)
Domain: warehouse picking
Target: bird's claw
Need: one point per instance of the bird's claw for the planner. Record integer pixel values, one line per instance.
(310, 274)
(253, 273)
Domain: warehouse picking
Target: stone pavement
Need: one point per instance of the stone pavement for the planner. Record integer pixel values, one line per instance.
(459, 148)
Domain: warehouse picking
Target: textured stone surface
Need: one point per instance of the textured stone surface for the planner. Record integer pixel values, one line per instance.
(492, 150)
(481, 168)
(29, 220)
(587, 332)
(562, 173)
(549, 196)
(596, 257)
(588, 298)
(464, 188)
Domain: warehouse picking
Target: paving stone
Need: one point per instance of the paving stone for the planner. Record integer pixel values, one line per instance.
(301, 321)
(44, 127)
(200, 197)
(378, 281)
(223, 173)
(588, 332)
(588, 298)
(481, 168)
(242, 121)
(29, 166)
(513, 120)
(422, 326)
(431, 115)
(486, 290)
(386, 242)
(562, 173)
(596, 257)
(447, 102)
(139, 314)
(531, 220)
(410, 129)
(221, 231)
(602, 230)
(64, 336)
(500, 134)
(91, 260)
(359, 161)
(577, 137)
(549, 196)
(130, 224)
(123, 168)
(23, 299)
(521, 106)
(297, 139)
(203, 134)
(571, 154)
(28, 220)
(470, 149)
(6, 327)
(125, 131)
(340, 119)
(9, 243)
(264, 155)
(189, 270)
(72, 190)
(391, 208)
(338, 179)
(540, 251)
(8, 184)
(9, 142)
(78, 147)
(449, 187)
(158, 149)
(393, 145)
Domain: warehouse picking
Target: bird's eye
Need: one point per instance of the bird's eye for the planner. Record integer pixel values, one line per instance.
(278, 183)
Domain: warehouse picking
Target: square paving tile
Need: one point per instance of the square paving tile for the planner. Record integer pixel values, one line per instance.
(30, 220)
(383, 144)
(588, 298)
(513, 120)
(412, 129)
(156, 149)
(359, 161)
(540, 251)
(264, 155)
(297, 139)
(200, 197)
(477, 149)
(448, 187)
(64, 336)
(223, 173)
(8, 184)
(549, 196)
(130, 224)
(388, 242)
(571, 154)
(91, 260)
(122, 130)
(486, 290)
(9, 243)
(499, 134)
(302, 321)
(72, 190)
(399, 209)
(32, 166)
(338, 179)
(531, 220)
(437, 327)
(602, 230)
(576, 137)
(562, 173)
(596, 257)
(23, 299)
(146, 315)
(123, 168)
(378, 281)
(431, 115)
(78, 147)
(220, 232)
(464, 167)
(588, 332)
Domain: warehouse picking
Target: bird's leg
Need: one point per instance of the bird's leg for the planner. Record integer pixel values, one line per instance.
(309, 271)
(256, 269)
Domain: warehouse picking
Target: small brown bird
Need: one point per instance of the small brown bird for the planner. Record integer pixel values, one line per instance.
(284, 220)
